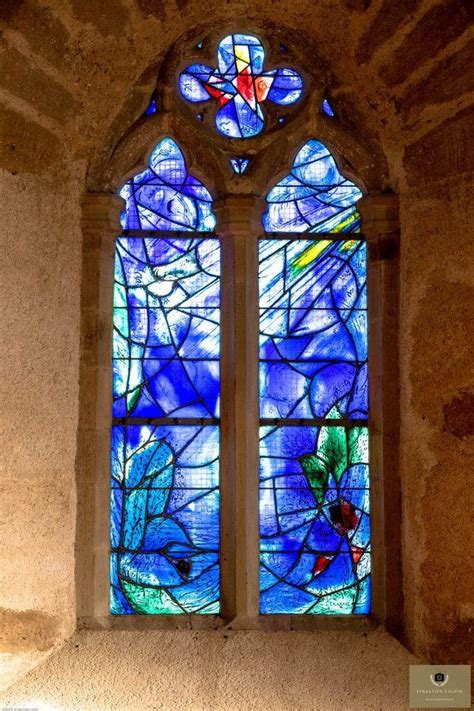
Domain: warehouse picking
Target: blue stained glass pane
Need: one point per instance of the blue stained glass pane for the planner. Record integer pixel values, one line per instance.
(192, 82)
(314, 485)
(165, 196)
(327, 109)
(238, 120)
(166, 343)
(313, 328)
(239, 165)
(286, 87)
(165, 520)
(314, 520)
(151, 109)
(314, 197)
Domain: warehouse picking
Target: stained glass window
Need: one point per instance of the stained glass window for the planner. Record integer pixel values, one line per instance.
(314, 197)
(240, 85)
(165, 519)
(313, 383)
(165, 434)
(165, 196)
(314, 519)
(166, 327)
(314, 465)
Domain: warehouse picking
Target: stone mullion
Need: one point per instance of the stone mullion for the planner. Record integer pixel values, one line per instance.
(238, 225)
(380, 226)
(100, 226)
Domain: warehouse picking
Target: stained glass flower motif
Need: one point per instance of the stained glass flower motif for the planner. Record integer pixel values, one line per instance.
(314, 197)
(240, 85)
(315, 551)
(165, 196)
(164, 520)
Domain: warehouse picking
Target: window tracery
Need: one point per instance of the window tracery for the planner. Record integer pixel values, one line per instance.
(314, 501)
(240, 85)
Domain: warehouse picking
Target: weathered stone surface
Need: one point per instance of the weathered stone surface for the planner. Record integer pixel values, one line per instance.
(436, 320)
(450, 79)
(214, 671)
(43, 30)
(459, 414)
(447, 150)
(25, 146)
(40, 281)
(35, 87)
(435, 30)
(390, 16)
(153, 7)
(27, 630)
(182, 4)
(455, 642)
(9, 8)
(357, 5)
(108, 16)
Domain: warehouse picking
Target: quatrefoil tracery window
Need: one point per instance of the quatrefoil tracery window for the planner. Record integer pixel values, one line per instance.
(166, 474)
(240, 85)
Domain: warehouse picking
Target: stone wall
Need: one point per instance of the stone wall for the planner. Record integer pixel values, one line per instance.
(41, 255)
(437, 404)
(74, 74)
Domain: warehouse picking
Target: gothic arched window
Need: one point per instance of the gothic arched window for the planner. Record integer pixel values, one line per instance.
(166, 348)
(314, 485)
(300, 297)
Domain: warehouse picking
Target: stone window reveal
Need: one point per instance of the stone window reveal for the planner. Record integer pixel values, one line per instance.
(240, 449)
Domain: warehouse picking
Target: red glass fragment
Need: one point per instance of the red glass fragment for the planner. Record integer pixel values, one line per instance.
(344, 516)
(321, 564)
(357, 553)
(245, 86)
(262, 87)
